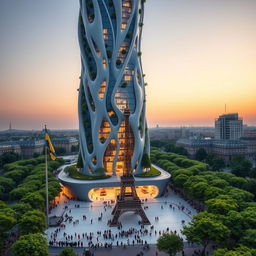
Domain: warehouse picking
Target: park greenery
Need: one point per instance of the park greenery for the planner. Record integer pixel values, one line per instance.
(8, 157)
(31, 244)
(168, 146)
(228, 219)
(67, 252)
(170, 244)
(229, 216)
(22, 191)
(152, 172)
(239, 165)
(72, 172)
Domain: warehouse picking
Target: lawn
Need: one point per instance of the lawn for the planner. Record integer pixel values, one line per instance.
(75, 174)
(153, 172)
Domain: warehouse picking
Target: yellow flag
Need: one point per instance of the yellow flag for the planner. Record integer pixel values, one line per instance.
(49, 145)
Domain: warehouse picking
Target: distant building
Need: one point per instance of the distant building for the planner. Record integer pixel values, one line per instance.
(225, 149)
(228, 127)
(31, 147)
(66, 143)
(28, 148)
(228, 140)
(9, 147)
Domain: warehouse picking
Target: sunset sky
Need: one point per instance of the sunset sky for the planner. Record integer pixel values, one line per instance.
(198, 55)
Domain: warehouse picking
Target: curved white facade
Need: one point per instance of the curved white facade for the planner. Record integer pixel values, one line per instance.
(111, 78)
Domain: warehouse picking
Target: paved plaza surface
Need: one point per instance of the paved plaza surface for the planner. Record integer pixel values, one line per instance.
(128, 251)
(89, 221)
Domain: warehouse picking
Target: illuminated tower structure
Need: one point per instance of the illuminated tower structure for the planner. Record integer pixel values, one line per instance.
(128, 199)
(111, 78)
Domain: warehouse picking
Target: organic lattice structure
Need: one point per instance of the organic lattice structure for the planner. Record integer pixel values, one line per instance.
(111, 79)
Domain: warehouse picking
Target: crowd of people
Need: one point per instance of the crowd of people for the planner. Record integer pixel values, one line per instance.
(63, 237)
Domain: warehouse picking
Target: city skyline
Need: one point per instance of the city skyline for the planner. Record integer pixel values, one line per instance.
(204, 57)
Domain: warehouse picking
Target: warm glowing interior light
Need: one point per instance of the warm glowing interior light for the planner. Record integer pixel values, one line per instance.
(105, 194)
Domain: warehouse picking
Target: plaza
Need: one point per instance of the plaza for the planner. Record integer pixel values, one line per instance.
(87, 222)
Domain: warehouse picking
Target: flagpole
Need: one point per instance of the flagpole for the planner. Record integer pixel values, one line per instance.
(46, 184)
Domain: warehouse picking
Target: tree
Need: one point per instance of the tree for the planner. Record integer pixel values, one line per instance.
(220, 183)
(7, 183)
(80, 163)
(74, 148)
(240, 195)
(15, 175)
(212, 192)
(197, 190)
(169, 243)
(180, 180)
(21, 208)
(6, 221)
(60, 150)
(32, 245)
(67, 252)
(249, 217)
(241, 166)
(100, 171)
(36, 154)
(216, 163)
(33, 222)
(145, 162)
(249, 238)
(239, 251)
(205, 228)
(201, 154)
(234, 221)
(252, 173)
(250, 186)
(8, 157)
(35, 200)
(221, 206)
(238, 182)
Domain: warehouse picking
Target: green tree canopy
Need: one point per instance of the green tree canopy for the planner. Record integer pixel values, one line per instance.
(35, 200)
(216, 163)
(145, 162)
(201, 154)
(169, 243)
(239, 251)
(249, 217)
(33, 222)
(67, 252)
(80, 163)
(31, 245)
(234, 221)
(221, 206)
(205, 228)
(249, 238)
(6, 221)
(240, 166)
(180, 180)
(8, 157)
(21, 208)
(239, 194)
(7, 183)
(15, 175)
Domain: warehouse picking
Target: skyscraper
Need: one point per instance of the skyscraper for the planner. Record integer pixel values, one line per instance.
(111, 80)
(228, 127)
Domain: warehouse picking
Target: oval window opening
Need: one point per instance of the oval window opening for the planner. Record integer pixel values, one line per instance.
(106, 194)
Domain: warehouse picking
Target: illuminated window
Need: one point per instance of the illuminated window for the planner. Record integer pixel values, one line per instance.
(105, 34)
(104, 131)
(104, 63)
(109, 156)
(105, 194)
(102, 89)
